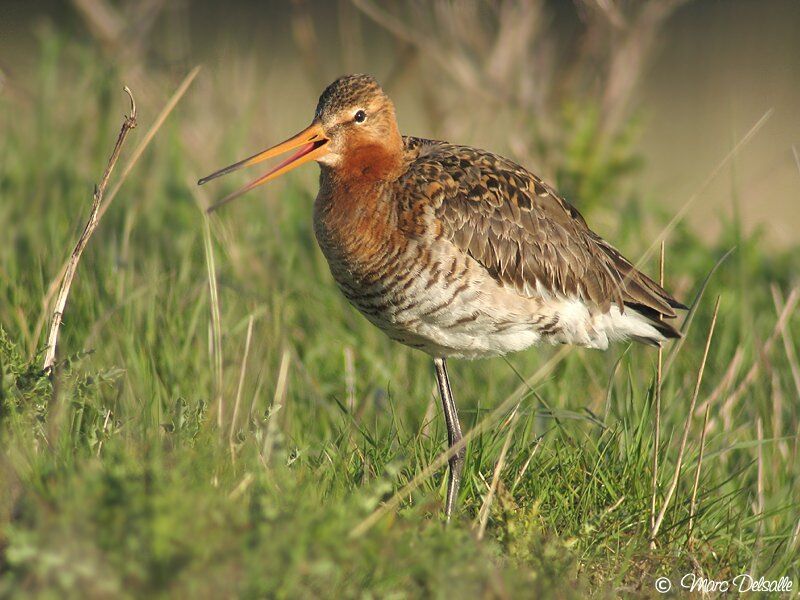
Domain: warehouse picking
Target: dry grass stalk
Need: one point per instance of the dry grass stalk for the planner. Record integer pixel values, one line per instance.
(683, 211)
(350, 378)
(794, 541)
(135, 155)
(657, 416)
(679, 463)
(106, 422)
(777, 416)
(483, 515)
(525, 466)
(751, 375)
(788, 342)
(148, 137)
(215, 326)
(277, 403)
(94, 219)
(242, 486)
(727, 379)
(242, 372)
(430, 411)
(758, 509)
(445, 456)
(693, 504)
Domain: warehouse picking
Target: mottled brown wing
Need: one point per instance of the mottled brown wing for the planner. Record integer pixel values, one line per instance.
(522, 232)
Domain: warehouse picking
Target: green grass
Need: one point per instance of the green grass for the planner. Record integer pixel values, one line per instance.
(118, 481)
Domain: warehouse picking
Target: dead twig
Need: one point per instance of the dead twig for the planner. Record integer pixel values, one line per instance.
(676, 475)
(94, 219)
(135, 155)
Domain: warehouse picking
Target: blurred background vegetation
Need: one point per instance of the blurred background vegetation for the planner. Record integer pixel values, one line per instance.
(526, 79)
(123, 476)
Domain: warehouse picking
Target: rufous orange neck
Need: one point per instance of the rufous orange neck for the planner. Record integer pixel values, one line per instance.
(372, 156)
(371, 163)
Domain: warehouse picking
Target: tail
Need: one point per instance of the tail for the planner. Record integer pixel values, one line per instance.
(652, 306)
(655, 328)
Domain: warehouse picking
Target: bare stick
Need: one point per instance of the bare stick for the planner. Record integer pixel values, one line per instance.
(676, 476)
(693, 504)
(135, 155)
(94, 219)
(657, 417)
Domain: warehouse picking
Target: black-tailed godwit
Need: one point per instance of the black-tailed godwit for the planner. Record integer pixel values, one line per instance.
(456, 251)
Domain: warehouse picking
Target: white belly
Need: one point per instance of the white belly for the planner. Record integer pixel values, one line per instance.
(460, 311)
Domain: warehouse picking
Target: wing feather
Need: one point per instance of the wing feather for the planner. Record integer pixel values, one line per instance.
(522, 232)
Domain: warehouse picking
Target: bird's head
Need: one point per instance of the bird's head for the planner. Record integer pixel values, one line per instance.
(354, 133)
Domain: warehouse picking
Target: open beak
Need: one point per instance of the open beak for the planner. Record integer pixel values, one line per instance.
(310, 143)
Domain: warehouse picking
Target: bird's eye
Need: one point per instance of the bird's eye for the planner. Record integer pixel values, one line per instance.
(360, 117)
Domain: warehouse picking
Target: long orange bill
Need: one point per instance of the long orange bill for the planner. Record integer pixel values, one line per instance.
(310, 142)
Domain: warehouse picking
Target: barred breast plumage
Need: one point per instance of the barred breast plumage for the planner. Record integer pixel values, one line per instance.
(467, 254)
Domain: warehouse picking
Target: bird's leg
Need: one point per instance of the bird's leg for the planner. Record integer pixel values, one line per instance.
(453, 435)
